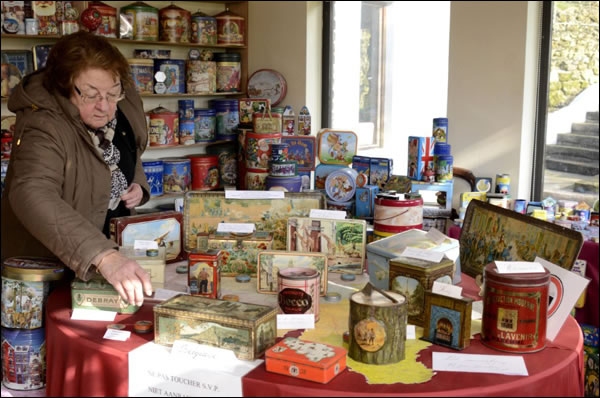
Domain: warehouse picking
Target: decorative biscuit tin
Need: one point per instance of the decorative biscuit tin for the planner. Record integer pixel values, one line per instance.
(268, 83)
(228, 172)
(258, 149)
(256, 180)
(108, 26)
(240, 251)
(205, 125)
(447, 320)
(174, 71)
(380, 171)
(267, 123)
(321, 173)
(271, 262)
(302, 151)
(246, 329)
(204, 29)
(98, 294)
(176, 175)
(153, 265)
(229, 72)
(336, 147)
(201, 77)
(306, 360)
(164, 127)
(23, 359)
(398, 214)
(283, 168)
(249, 106)
(142, 71)
(279, 153)
(144, 21)
(340, 185)
(298, 291)
(231, 28)
(175, 24)
(205, 172)
(420, 156)
(204, 273)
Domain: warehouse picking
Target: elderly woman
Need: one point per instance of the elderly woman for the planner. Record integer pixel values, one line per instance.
(75, 164)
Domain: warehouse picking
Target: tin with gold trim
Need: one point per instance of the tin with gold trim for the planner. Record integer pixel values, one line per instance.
(515, 310)
(299, 290)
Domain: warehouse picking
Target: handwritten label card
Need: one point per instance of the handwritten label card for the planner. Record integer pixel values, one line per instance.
(518, 267)
(119, 335)
(411, 332)
(436, 236)
(144, 244)
(421, 254)
(81, 314)
(254, 194)
(300, 321)
(238, 228)
(333, 214)
(446, 289)
(506, 364)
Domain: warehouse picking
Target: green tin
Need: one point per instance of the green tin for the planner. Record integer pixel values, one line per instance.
(98, 294)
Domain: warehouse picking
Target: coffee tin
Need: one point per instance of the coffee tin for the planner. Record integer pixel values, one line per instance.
(204, 276)
(144, 20)
(176, 175)
(230, 28)
(397, 214)
(142, 72)
(164, 127)
(154, 174)
(299, 290)
(515, 310)
(205, 172)
(204, 29)
(175, 24)
(23, 359)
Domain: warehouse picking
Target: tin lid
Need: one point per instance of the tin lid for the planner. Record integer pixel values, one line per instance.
(140, 5)
(200, 14)
(205, 255)
(290, 350)
(537, 278)
(440, 120)
(175, 160)
(298, 273)
(152, 162)
(228, 57)
(441, 148)
(173, 7)
(228, 14)
(204, 158)
(32, 269)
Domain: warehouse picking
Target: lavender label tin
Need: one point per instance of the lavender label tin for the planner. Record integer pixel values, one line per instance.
(23, 359)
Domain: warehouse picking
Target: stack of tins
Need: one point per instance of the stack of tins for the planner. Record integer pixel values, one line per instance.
(515, 310)
(164, 127)
(283, 173)
(377, 326)
(340, 186)
(26, 283)
(395, 213)
(228, 167)
(175, 24)
(298, 291)
(258, 154)
(143, 20)
(176, 175)
(187, 125)
(205, 172)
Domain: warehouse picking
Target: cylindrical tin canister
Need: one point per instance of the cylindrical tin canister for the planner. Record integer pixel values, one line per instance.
(398, 215)
(299, 290)
(258, 149)
(108, 27)
(205, 121)
(228, 173)
(229, 72)
(283, 169)
(503, 183)
(205, 172)
(175, 24)
(377, 326)
(142, 72)
(498, 199)
(227, 118)
(342, 206)
(187, 132)
(515, 310)
(340, 185)
(144, 19)
(25, 287)
(520, 206)
(230, 28)
(441, 148)
(201, 77)
(204, 29)
(164, 127)
(256, 180)
(286, 184)
(174, 69)
(279, 152)
(443, 168)
(186, 109)
(176, 175)
(440, 129)
(23, 359)
(154, 174)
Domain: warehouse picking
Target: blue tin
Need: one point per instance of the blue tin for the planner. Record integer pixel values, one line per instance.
(176, 175)
(362, 164)
(321, 173)
(365, 201)
(340, 185)
(286, 184)
(380, 171)
(520, 206)
(440, 129)
(205, 125)
(584, 215)
(23, 358)
(441, 148)
(279, 153)
(154, 174)
(187, 132)
(306, 179)
(174, 70)
(302, 151)
(443, 168)
(227, 119)
(186, 109)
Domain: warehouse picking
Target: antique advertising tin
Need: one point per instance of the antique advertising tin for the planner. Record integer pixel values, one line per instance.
(175, 24)
(176, 175)
(164, 127)
(98, 294)
(231, 28)
(306, 360)
(26, 283)
(398, 214)
(298, 291)
(377, 326)
(286, 184)
(503, 183)
(282, 168)
(204, 29)
(246, 329)
(411, 277)
(142, 71)
(201, 77)
(302, 151)
(240, 251)
(447, 320)
(515, 310)
(174, 70)
(340, 185)
(154, 265)
(229, 72)
(228, 172)
(205, 172)
(205, 125)
(23, 359)
(144, 20)
(204, 273)
(336, 147)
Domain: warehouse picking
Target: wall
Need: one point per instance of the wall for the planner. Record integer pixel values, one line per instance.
(491, 84)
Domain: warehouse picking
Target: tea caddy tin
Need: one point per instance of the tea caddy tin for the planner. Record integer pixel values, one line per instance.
(286, 184)
(204, 273)
(205, 172)
(299, 291)
(340, 185)
(154, 175)
(144, 20)
(204, 29)
(515, 310)
(176, 175)
(23, 359)
(26, 283)
(175, 24)
(231, 28)
(397, 214)
(164, 127)
(336, 147)
(142, 72)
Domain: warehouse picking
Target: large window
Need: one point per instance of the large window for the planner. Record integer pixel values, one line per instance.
(387, 72)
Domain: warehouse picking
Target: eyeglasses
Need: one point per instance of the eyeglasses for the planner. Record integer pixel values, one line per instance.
(94, 99)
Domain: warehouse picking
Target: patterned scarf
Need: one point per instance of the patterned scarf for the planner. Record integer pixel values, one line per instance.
(102, 138)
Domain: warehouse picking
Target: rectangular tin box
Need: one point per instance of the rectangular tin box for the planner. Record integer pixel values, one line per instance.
(380, 171)
(204, 273)
(98, 294)
(166, 228)
(412, 277)
(302, 150)
(336, 146)
(240, 251)
(246, 329)
(306, 360)
(420, 156)
(380, 252)
(447, 321)
(155, 266)
(249, 106)
(270, 262)
(365, 201)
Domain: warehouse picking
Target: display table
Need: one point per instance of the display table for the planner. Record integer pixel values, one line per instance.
(81, 363)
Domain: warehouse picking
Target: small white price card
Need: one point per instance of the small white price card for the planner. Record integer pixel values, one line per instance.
(421, 254)
(333, 214)
(499, 364)
(411, 333)
(144, 244)
(518, 267)
(81, 314)
(436, 236)
(446, 289)
(119, 335)
(254, 195)
(238, 228)
(300, 321)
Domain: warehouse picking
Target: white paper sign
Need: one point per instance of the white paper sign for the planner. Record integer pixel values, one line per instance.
(446, 289)
(518, 267)
(477, 310)
(81, 314)
(411, 332)
(565, 289)
(421, 254)
(144, 244)
(165, 294)
(237, 228)
(254, 194)
(221, 360)
(119, 335)
(300, 321)
(333, 214)
(500, 364)
(436, 236)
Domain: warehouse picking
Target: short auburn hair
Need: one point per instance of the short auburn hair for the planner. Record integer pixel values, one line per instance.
(77, 52)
